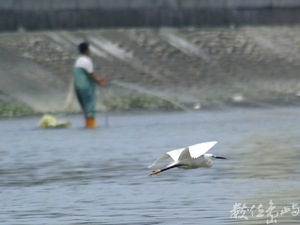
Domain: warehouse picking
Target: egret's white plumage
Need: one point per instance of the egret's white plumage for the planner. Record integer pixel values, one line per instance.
(188, 158)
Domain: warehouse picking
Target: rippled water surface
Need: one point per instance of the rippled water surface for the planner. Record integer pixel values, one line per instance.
(78, 176)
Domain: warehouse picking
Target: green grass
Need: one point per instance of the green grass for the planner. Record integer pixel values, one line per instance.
(137, 102)
(14, 109)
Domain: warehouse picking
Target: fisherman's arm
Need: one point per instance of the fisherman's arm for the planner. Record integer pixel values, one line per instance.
(99, 80)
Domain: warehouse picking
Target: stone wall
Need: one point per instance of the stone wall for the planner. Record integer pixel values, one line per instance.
(71, 14)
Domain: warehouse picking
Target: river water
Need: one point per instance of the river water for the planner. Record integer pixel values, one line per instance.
(78, 176)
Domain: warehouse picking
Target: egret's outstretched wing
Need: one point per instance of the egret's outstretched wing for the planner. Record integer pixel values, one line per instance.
(161, 158)
(173, 154)
(185, 154)
(200, 149)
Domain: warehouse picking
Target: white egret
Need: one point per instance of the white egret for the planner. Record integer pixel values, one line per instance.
(191, 157)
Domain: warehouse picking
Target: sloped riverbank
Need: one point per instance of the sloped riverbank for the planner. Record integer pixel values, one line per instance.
(185, 68)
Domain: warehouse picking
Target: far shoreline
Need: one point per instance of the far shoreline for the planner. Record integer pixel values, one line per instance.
(205, 106)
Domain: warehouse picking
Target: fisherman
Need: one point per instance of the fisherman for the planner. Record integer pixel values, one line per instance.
(85, 84)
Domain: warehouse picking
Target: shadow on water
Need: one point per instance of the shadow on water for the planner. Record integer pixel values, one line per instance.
(78, 176)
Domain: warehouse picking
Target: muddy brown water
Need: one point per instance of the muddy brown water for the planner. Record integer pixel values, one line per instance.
(78, 176)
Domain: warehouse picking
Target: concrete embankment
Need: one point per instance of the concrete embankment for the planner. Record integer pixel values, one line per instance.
(74, 14)
(151, 68)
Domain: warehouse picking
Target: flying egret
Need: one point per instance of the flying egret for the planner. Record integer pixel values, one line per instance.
(191, 157)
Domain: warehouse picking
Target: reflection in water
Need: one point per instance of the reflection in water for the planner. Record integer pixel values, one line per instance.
(78, 176)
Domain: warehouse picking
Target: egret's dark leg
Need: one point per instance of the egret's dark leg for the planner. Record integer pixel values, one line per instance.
(219, 157)
(154, 172)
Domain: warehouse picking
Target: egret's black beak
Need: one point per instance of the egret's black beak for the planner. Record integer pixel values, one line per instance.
(219, 157)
